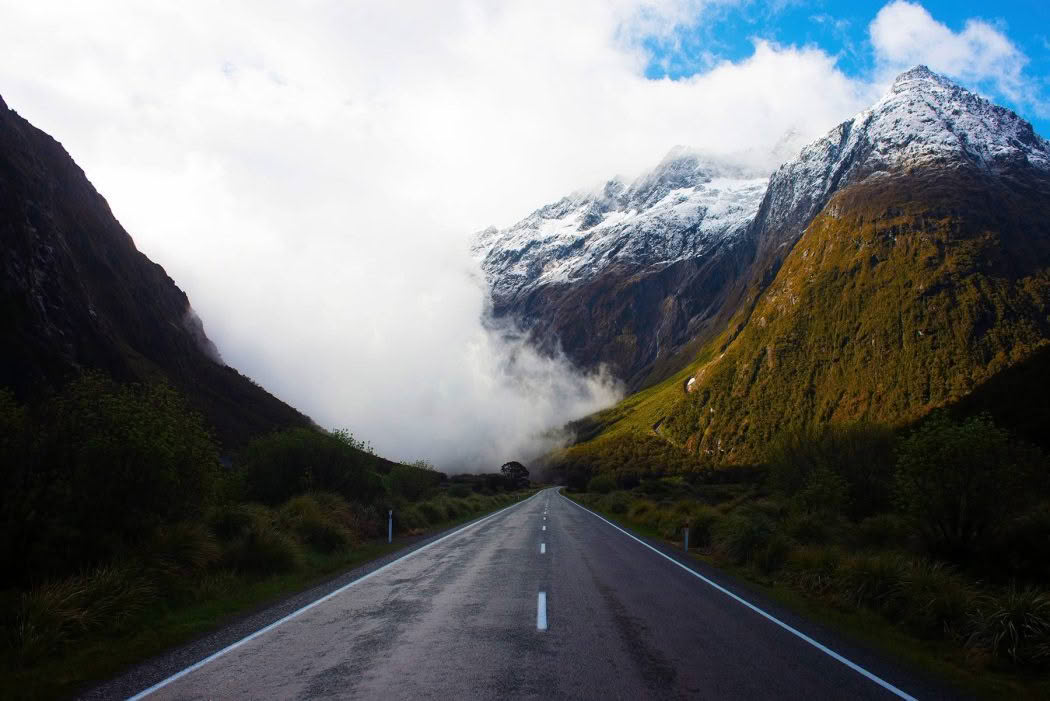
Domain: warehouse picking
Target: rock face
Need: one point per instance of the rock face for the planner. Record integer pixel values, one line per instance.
(638, 276)
(627, 274)
(75, 294)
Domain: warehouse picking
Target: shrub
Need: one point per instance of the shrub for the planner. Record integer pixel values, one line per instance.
(852, 465)
(884, 530)
(808, 527)
(413, 482)
(741, 536)
(185, 546)
(814, 570)
(432, 512)
(276, 467)
(99, 467)
(639, 509)
(772, 556)
(1015, 626)
(957, 481)
(935, 599)
(232, 520)
(1022, 548)
(872, 581)
(460, 491)
(601, 484)
(323, 527)
(409, 518)
(262, 549)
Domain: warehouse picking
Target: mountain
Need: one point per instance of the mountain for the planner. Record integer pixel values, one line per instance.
(75, 295)
(901, 263)
(628, 274)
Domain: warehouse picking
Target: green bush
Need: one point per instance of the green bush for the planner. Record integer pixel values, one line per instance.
(872, 581)
(460, 491)
(409, 518)
(935, 598)
(814, 570)
(841, 469)
(432, 512)
(185, 546)
(1022, 548)
(809, 527)
(412, 482)
(883, 530)
(94, 470)
(960, 481)
(263, 549)
(773, 555)
(741, 536)
(321, 526)
(287, 463)
(601, 484)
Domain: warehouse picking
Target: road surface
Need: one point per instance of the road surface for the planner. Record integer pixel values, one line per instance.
(542, 600)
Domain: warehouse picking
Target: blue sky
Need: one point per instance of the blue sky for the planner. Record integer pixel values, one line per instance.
(728, 32)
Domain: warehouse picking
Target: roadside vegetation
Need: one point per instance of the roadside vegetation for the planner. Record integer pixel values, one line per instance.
(125, 530)
(938, 535)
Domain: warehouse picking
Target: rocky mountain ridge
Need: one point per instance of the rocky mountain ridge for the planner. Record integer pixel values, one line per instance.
(636, 276)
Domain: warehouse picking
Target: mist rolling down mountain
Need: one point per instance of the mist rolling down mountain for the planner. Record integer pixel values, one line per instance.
(76, 295)
(892, 267)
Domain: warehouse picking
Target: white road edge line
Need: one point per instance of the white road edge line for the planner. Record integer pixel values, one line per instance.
(541, 611)
(543, 548)
(799, 634)
(248, 638)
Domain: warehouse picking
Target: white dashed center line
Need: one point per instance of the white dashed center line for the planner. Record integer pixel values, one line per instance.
(541, 611)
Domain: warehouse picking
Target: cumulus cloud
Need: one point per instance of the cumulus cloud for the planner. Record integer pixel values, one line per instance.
(905, 34)
(310, 175)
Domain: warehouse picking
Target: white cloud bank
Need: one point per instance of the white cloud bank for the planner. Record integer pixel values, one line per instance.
(904, 34)
(310, 175)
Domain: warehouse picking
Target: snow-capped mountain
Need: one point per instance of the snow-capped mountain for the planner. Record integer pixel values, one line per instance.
(634, 273)
(676, 211)
(924, 121)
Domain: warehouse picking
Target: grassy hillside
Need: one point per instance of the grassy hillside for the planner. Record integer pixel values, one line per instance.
(905, 294)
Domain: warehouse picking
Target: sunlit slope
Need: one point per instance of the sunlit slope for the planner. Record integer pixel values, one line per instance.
(903, 294)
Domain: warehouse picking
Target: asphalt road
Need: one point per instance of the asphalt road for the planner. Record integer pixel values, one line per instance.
(543, 600)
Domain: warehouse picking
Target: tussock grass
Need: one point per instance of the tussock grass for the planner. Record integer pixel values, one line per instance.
(1014, 626)
(56, 613)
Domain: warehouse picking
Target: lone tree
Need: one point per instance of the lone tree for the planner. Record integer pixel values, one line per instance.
(516, 474)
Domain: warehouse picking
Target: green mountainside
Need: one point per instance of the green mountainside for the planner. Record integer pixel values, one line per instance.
(904, 294)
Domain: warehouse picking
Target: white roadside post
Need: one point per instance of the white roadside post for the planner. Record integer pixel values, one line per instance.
(390, 526)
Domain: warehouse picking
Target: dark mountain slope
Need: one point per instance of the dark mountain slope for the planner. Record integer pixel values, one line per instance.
(75, 294)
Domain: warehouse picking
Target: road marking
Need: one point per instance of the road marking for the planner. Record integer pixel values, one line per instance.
(544, 528)
(248, 638)
(543, 548)
(541, 611)
(797, 633)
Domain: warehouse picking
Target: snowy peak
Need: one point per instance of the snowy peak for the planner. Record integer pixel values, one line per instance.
(680, 209)
(924, 120)
(925, 116)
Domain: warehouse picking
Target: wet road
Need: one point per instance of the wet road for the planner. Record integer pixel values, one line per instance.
(542, 600)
